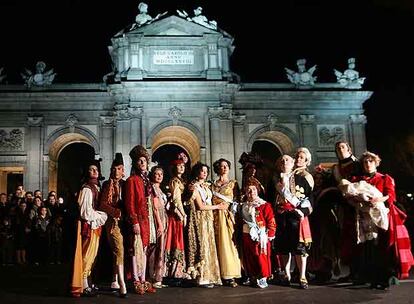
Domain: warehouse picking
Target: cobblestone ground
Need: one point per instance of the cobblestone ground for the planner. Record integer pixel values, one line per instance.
(49, 284)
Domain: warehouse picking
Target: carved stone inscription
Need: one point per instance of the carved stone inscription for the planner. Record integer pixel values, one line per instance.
(173, 57)
(11, 140)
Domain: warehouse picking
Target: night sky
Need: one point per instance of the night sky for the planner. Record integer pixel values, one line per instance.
(72, 37)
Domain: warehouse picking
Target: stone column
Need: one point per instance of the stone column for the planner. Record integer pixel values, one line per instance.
(239, 124)
(309, 135)
(123, 133)
(136, 125)
(221, 135)
(34, 145)
(358, 137)
(203, 155)
(106, 143)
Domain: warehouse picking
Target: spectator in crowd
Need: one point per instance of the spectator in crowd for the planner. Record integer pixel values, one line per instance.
(40, 229)
(6, 241)
(22, 231)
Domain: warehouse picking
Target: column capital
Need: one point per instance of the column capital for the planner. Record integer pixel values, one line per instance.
(222, 113)
(135, 111)
(107, 121)
(358, 118)
(34, 120)
(307, 118)
(124, 111)
(239, 118)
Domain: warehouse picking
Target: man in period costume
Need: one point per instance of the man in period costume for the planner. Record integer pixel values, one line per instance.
(348, 166)
(111, 202)
(259, 228)
(89, 231)
(139, 213)
(293, 205)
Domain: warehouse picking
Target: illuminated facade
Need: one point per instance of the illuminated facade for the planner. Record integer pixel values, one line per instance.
(171, 85)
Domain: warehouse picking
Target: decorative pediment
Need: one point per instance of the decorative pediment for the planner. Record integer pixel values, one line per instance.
(171, 47)
(172, 26)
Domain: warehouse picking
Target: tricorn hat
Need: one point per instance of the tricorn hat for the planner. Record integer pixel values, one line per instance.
(139, 151)
(118, 160)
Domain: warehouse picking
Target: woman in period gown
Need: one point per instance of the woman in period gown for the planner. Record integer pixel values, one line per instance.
(226, 191)
(203, 264)
(157, 266)
(384, 250)
(177, 219)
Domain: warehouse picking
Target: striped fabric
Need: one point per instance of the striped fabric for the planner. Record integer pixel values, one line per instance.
(400, 238)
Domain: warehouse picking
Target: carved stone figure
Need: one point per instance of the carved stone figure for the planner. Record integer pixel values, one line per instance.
(350, 79)
(2, 75)
(329, 135)
(40, 78)
(143, 17)
(302, 78)
(175, 113)
(11, 140)
(199, 18)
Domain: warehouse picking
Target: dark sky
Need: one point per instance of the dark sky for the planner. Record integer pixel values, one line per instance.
(72, 37)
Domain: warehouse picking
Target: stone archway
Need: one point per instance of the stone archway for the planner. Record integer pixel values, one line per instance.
(55, 148)
(180, 136)
(286, 144)
(270, 144)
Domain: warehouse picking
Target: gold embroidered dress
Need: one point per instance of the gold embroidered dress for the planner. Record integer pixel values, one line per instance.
(203, 264)
(224, 230)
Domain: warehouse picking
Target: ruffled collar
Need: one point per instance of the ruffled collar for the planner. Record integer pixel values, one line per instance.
(256, 203)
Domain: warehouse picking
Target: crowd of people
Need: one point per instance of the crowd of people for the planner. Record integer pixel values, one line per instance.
(339, 223)
(31, 228)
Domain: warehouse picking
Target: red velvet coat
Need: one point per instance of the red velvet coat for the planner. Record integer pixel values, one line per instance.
(136, 206)
(265, 218)
(397, 236)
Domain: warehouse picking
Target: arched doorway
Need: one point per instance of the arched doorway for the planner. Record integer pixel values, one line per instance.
(269, 152)
(164, 155)
(72, 161)
(178, 136)
(57, 142)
